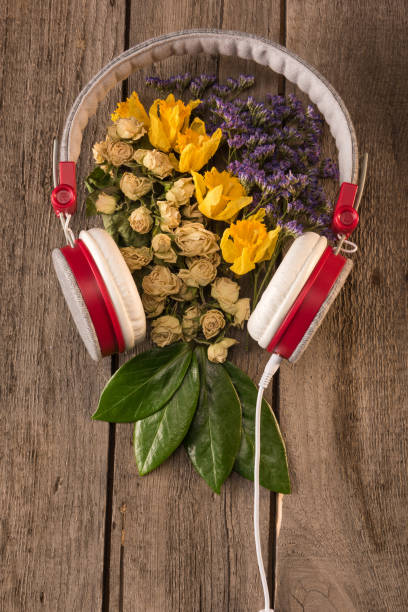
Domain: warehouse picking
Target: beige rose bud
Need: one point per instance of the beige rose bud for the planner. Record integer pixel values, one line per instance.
(119, 152)
(218, 352)
(136, 257)
(100, 152)
(193, 239)
(169, 216)
(105, 203)
(200, 273)
(141, 220)
(153, 306)
(226, 292)
(161, 245)
(190, 323)
(133, 186)
(241, 312)
(181, 192)
(158, 163)
(191, 211)
(139, 154)
(166, 330)
(186, 294)
(161, 282)
(112, 134)
(129, 128)
(212, 322)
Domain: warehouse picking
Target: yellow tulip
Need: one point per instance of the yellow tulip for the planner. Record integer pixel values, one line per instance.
(167, 118)
(220, 195)
(131, 108)
(196, 147)
(247, 242)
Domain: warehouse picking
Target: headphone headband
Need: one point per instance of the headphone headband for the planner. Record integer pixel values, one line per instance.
(245, 46)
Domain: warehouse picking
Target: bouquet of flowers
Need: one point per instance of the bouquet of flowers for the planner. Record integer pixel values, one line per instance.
(200, 192)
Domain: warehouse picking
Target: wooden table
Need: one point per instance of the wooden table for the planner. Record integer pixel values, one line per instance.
(80, 530)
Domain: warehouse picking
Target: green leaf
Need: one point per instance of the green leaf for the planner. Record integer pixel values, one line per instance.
(117, 225)
(98, 179)
(157, 436)
(144, 384)
(274, 473)
(214, 437)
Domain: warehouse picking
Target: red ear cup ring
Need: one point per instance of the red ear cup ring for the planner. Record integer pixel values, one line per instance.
(96, 298)
(308, 304)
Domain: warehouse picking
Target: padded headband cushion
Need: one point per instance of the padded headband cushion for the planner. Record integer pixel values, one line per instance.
(119, 283)
(221, 42)
(324, 309)
(76, 304)
(285, 286)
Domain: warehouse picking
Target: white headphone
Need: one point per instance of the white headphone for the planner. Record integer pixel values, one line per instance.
(97, 285)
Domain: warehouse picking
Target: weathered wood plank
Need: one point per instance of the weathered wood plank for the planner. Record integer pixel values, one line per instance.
(52, 456)
(343, 543)
(182, 547)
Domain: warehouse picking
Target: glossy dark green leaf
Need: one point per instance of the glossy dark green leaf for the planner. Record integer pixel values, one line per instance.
(157, 436)
(144, 384)
(214, 437)
(274, 473)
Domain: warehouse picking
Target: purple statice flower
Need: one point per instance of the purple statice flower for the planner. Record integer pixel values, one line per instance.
(293, 228)
(329, 169)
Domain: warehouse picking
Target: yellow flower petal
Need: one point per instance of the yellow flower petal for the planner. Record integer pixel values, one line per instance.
(131, 108)
(168, 118)
(199, 185)
(244, 263)
(196, 148)
(229, 251)
(266, 250)
(232, 208)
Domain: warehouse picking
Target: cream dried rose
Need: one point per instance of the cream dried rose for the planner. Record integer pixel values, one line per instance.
(133, 186)
(158, 163)
(191, 323)
(161, 245)
(165, 330)
(153, 306)
(200, 273)
(136, 257)
(181, 192)
(186, 294)
(141, 220)
(105, 203)
(100, 152)
(226, 292)
(218, 352)
(191, 211)
(241, 312)
(169, 216)
(129, 128)
(212, 322)
(139, 154)
(193, 239)
(161, 282)
(119, 152)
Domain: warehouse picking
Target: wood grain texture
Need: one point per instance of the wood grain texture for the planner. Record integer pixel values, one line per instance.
(183, 547)
(52, 456)
(343, 544)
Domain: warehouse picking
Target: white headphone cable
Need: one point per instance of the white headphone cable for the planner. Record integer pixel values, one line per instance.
(271, 367)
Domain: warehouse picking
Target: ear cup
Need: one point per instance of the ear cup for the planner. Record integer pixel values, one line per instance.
(285, 286)
(76, 304)
(323, 310)
(119, 283)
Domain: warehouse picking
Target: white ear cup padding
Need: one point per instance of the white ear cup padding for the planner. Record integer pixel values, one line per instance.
(323, 310)
(76, 304)
(119, 283)
(285, 286)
